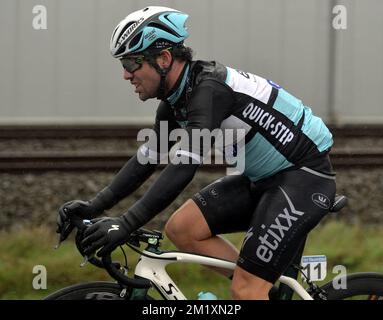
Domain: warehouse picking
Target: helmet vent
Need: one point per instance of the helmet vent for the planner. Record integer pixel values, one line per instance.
(162, 27)
(114, 32)
(123, 30)
(135, 40)
(120, 50)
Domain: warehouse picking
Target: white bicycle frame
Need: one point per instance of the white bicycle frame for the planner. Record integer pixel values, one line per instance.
(152, 266)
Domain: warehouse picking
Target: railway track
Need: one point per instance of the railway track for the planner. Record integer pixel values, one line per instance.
(111, 161)
(40, 161)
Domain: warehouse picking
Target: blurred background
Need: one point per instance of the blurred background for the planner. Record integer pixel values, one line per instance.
(68, 121)
(65, 73)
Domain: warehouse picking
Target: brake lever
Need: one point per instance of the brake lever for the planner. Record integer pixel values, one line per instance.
(60, 236)
(66, 226)
(85, 261)
(58, 244)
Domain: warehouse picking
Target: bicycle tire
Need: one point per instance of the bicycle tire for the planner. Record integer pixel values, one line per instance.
(98, 290)
(368, 284)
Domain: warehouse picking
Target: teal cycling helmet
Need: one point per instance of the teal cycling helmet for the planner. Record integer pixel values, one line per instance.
(157, 27)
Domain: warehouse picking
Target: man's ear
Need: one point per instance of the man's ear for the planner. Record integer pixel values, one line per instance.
(164, 59)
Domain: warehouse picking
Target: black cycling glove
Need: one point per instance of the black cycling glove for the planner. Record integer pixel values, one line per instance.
(105, 233)
(83, 210)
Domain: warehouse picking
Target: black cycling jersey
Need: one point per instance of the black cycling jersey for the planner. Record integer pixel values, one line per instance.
(280, 133)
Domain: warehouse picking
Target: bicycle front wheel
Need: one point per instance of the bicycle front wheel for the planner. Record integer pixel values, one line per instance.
(356, 286)
(99, 290)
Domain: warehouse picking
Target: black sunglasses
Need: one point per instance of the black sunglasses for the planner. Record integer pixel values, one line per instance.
(133, 63)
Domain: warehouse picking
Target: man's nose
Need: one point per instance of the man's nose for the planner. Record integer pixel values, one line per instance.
(127, 75)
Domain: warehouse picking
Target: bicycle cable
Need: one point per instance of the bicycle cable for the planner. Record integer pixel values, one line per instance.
(125, 257)
(314, 290)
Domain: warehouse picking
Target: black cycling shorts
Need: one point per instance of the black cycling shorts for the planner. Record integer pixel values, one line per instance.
(277, 213)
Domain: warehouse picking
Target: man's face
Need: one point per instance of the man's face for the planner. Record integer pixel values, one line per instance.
(145, 79)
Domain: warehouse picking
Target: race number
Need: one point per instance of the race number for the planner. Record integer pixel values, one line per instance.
(314, 267)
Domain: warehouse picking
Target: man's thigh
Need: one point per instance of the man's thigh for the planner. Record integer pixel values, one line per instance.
(227, 204)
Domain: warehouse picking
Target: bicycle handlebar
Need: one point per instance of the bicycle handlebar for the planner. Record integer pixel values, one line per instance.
(113, 268)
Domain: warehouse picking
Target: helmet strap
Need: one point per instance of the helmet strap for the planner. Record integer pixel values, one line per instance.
(161, 92)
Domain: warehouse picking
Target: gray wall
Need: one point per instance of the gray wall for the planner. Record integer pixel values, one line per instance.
(65, 74)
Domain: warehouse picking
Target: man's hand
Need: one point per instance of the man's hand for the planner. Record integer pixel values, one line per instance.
(74, 209)
(106, 233)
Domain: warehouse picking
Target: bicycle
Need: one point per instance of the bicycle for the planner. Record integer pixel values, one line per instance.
(150, 272)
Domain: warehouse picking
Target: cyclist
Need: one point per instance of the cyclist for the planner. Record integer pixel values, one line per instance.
(285, 189)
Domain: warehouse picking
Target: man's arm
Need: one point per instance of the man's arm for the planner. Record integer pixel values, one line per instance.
(140, 167)
(133, 174)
